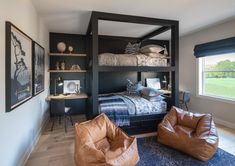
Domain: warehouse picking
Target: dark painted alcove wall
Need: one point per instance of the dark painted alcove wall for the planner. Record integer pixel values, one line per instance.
(108, 81)
(78, 42)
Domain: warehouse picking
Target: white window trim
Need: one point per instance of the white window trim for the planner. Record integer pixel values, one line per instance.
(199, 87)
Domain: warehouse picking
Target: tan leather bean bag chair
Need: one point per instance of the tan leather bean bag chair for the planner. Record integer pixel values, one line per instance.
(100, 143)
(194, 134)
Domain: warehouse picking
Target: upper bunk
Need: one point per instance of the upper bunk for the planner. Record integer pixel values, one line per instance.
(158, 26)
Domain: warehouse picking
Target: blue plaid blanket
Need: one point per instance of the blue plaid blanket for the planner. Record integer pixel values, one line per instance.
(115, 108)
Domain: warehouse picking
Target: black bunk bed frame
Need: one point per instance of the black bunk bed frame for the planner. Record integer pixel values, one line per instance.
(92, 34)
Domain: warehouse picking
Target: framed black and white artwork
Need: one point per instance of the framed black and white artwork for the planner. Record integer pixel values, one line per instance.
(71, 86)
(18, 67)
(38, 68)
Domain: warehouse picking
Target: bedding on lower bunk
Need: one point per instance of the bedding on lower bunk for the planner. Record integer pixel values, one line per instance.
(109, 59)
(120, 106)
(115, 108)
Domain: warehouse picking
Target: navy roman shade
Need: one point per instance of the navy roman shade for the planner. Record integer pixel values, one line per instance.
(215, 47)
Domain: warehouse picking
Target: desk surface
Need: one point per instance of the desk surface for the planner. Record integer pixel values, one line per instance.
(165, 91)
(68, 97)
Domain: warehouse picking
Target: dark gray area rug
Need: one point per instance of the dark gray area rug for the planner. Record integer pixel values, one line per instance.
(153, 153)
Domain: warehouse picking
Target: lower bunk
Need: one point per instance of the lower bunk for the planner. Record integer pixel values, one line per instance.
(134, 113)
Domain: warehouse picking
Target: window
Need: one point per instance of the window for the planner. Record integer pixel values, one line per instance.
(217, 76)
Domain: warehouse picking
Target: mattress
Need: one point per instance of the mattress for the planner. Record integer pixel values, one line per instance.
(109, 59)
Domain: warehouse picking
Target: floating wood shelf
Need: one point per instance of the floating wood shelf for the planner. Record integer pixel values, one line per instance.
(135, 68)
(67, 71)
(67, 54)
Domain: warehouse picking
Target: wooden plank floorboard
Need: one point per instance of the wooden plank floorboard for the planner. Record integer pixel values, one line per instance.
(56, 148)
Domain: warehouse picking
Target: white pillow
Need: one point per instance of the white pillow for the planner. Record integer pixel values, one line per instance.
(151, 48)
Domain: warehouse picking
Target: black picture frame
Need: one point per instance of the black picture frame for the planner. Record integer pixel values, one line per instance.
(18, 71)
(38, 68)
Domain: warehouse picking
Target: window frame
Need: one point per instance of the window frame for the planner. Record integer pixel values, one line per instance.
(200, 84)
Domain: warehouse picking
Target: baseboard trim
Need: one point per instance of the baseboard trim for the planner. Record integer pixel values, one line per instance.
(35, 141)
(224, 123)
(221, 122)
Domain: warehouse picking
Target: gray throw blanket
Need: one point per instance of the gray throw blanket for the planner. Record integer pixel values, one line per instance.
(115, 108)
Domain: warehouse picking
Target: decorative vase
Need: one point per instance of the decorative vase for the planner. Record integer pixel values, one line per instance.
(62, 65)
(61, 47)
(70, 48)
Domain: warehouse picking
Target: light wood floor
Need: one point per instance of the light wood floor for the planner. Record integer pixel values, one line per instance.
(56, 148)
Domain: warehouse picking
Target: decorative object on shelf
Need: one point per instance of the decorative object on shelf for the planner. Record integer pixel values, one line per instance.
(61, 47)
(78, 89)
(57, 66)
(169, 87)
(38, 68)
(62, 65)
(18, 67)
(75, 67)
(58, 82)
(165, 83)
(72, 86)
(70, 48)
(153, 83)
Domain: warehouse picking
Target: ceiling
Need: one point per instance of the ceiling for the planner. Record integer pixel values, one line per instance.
(72, 16)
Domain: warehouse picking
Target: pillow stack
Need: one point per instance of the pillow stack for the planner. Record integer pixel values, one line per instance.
(151, 94)
(154, 51)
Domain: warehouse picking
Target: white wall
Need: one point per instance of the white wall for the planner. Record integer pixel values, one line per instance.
(222, 112)
(19, 129)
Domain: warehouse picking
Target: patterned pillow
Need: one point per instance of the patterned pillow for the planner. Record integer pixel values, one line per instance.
(134, 87)
(132, 48)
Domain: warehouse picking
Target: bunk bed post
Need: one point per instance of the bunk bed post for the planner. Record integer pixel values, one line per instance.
(175, 62)
(139, 78)
(95, 74)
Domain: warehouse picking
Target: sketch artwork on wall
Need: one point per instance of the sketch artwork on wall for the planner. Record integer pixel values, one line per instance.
(71, 86)
(38, 68)
(18, 67)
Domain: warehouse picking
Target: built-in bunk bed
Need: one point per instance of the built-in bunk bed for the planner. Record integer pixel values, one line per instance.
(114, 70)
